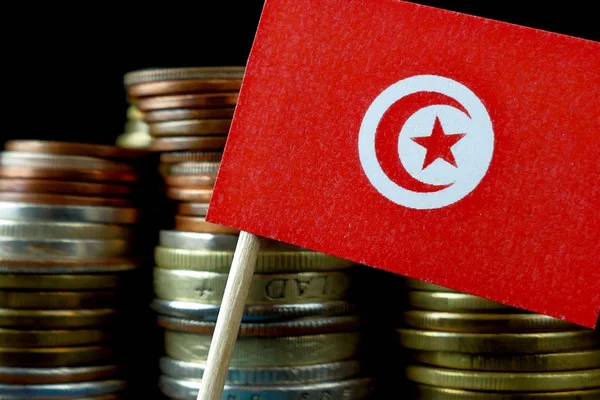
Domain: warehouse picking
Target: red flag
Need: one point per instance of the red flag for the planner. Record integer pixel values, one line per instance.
(448, 148)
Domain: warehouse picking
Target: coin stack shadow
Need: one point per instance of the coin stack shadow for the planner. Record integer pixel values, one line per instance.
(466, 347)
(66, 243)
(299, 337)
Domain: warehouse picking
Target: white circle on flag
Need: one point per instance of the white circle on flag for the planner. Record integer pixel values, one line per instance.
(461, 144)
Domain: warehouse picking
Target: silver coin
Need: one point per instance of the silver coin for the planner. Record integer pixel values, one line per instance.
(47, 160)
(207, 241)
(126, 265)
(353, 389)
(334, 371)
(209, 312)
(40, 212)
(62, 248)
(29, 376)
(61, 390)
(194, 168)
(63, 230)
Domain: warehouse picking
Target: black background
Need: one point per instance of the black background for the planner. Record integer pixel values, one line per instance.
(64, 65)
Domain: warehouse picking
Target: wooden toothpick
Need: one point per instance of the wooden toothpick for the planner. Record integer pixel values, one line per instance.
(230, 317)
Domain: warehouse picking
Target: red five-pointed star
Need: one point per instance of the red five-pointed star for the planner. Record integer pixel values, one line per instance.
(438, 145)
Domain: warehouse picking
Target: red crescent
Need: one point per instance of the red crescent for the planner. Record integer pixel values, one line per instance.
(388, 134)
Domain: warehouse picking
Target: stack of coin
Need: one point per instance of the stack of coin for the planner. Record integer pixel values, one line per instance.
(299, 337)
(66, 239)
(466, 347)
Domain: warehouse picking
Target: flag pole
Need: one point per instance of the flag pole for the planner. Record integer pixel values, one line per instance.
(230, 317)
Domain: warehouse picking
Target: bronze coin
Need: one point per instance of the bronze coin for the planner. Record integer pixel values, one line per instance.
(184, 86)
(192, 209)
(188, 143)
(60, 199)
(188, 113)
(182, 156)
(62, 187)
(199, 181)
(191, 127)
(210, 100)
(198, 195)
(179, 74)
(199, 224)
(75, 149)
(71, 174)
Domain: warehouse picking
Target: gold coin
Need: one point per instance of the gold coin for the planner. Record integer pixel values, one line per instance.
(54, 356)
(493, 323)
(269, 261)
(498, 343)
(505, 381)
(264, 352)
(425, 392)
(58, 282)
(56, 300)
(50, 338)
(49, 319)
(585, 359)
(448, 301)
(208, 287)
(415, 284)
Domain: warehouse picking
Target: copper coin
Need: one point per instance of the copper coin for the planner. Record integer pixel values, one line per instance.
(66, 200)
(199, 195)
(178, 74)
(185, 86)
(75, 149)
(188, 143)
(199, 224)
(199, 181)
(71, 174)
(193, 209)
(211, 100)
(191, 127)
(62, 187)
(182, 156)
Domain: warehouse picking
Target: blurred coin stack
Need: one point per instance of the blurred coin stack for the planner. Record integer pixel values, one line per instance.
(466, 347)
(66, 238)
(299, 338)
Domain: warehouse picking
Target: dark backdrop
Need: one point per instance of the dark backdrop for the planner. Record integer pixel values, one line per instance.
(64, 66)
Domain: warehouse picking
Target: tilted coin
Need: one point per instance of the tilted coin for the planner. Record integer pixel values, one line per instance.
(56, 300)
(200, 195)
(352, 389)
(61, 199)
(191, 127)
(208, 287)
(203, 100)
(37, 212)
(63, 230)
(570, 361)
(71, 174)
(59, 282)
(77, 390)
(195, 209)
(29, 376)
(186, 86)
(198, 224)
(499, 343)
(282, 375)
(175, 114)
(455, 302)
(505, 381)
(193, 168)
(54, 356)
(426, 392)
(63, 248)
(188, 143)
(183, 156)
(269, 261)
(178, 74)
(63, 187)
(49, 338)
(267, 352)
(81, 149)
(476, 322)
(46, 160)
(304, 326)
(260, 313)
(56, 319)
(415, 284)
(67, 267)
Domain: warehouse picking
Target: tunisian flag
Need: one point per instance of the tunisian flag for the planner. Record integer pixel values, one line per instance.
(444, 147)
